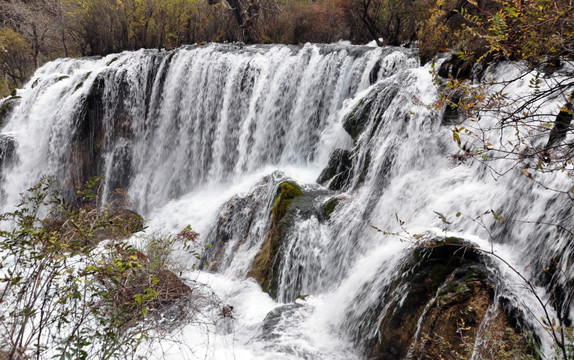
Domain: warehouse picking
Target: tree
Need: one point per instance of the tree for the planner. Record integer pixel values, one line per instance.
(542, 34)
(16, 61)
(39, 22)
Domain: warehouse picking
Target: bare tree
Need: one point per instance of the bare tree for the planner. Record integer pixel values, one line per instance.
(38, 21)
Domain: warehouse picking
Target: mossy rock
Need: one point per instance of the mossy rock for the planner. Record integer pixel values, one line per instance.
(286, 192)
(112, 61)
(438, 303)
(356, 120)
(7, 107)
(265, 268)
(330, 206)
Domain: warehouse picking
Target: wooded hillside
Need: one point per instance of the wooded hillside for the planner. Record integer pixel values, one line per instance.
(35, 31)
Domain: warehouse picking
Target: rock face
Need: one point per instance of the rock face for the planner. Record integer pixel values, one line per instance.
(441, 304)
(89, 137)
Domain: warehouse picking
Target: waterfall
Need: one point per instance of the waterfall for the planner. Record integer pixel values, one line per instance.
(205, 135)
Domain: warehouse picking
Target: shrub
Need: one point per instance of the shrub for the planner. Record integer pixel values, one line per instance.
(66, 294)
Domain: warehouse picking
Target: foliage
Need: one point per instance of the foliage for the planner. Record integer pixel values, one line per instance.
(15, 57)
(321, 21)
(533, 30)
(65, 294)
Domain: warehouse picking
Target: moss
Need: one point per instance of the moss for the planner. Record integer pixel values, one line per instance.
(330, 206)
(6, 107)
(286, 192)
(112, 61)
(13, 92)
(265, 266)
(356, 121)
(78, 86)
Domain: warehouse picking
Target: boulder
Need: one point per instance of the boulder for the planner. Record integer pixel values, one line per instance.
(267, 262)
(330, 206)
(442, 301)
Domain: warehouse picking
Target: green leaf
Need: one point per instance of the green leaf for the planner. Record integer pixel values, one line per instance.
(442, 217)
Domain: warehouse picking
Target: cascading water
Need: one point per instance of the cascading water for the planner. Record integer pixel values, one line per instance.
(205, 135)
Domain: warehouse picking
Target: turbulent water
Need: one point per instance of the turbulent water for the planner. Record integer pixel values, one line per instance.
(204, 135)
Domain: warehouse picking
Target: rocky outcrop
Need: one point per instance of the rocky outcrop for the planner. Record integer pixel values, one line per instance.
(373, 106)
(338, 170)
(102, 129)
(330, 206)
(7, 106)
(272, 324)
(441, 304)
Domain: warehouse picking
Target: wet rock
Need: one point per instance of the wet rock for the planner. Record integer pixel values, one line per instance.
(234, 225)
(100, 129)
(7, 150)
(443, 301)
(452, 114)
(266, 264)
(374, 74)
(272, 328)
(370, 110)
(455, 67)
(338, 170)
(6, 108)
(356, 120)
(89, 136)
(561, 125)
(330, 206)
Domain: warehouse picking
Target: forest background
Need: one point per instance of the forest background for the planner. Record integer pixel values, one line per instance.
(35, 31)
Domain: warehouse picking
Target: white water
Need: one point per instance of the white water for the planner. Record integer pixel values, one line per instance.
(195, 137)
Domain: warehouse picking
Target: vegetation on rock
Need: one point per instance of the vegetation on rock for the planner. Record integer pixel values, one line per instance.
(266, 263)
(438, 305)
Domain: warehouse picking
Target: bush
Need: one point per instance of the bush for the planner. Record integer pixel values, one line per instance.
(66, 294)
